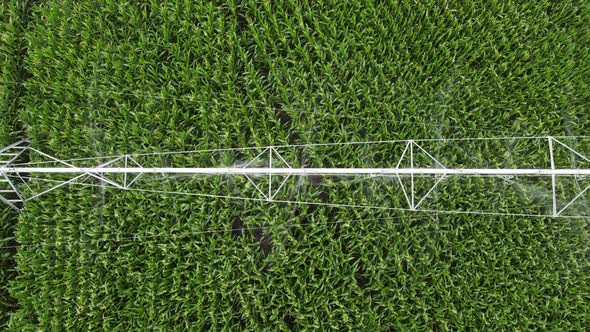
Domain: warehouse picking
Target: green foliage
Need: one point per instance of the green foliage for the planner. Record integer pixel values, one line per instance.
(14, 17)
(110, 77)
(7, 264)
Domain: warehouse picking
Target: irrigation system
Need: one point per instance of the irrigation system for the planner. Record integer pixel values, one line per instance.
(16, 172)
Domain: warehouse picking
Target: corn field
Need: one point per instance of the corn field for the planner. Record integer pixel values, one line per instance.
(103, 77)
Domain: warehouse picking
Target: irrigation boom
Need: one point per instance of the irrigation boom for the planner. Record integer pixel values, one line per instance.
(11, 170)
(298, 171)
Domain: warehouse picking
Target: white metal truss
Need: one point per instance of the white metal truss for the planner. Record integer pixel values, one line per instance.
(9, 193)
(131, 170)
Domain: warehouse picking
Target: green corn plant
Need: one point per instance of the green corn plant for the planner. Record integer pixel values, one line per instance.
(109, 78)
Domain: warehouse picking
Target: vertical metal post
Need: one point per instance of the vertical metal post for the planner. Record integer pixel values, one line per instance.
(553, 177)
(413, 205)
(269, 173)
(125, 179)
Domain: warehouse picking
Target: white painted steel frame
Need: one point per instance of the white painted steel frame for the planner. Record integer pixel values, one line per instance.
(133, 168)
(299, 171)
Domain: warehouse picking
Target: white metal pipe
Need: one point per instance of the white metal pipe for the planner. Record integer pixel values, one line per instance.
(300, 171)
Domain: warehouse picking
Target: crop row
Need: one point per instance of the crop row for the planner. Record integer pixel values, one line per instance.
(14, 17)
(110, 77)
